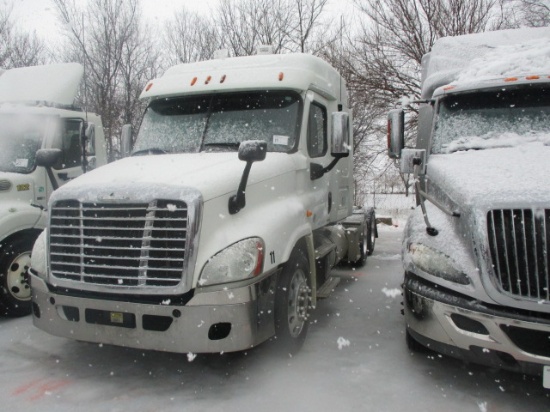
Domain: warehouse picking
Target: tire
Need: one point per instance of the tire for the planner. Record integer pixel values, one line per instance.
(292, 300)
(15, 291)
(372, 233)
(363, 247)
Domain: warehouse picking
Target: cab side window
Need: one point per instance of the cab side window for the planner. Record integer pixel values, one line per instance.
(317, 131)
(71, 145)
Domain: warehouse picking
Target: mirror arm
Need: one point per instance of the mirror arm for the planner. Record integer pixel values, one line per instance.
(83, 140)
(238, 201)
(51, 176)
(423, 196)
(318, 171)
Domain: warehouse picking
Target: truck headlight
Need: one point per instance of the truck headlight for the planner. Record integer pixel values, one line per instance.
(436, 263)
(38, 256)
(239, 261)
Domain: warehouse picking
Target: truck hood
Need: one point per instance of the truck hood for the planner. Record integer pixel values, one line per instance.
(212, 174)
(498, 177)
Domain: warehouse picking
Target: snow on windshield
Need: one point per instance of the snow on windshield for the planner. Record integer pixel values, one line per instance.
(221, 122)
(20, 137)
(495, 118)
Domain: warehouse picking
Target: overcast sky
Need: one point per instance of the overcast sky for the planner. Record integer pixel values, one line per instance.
(40, 15)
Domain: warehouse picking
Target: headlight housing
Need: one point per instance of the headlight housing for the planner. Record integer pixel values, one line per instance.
(241, 260)
(437, 263)
(39, 265)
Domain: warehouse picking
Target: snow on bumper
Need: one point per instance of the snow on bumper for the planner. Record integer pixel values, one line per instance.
(469, 330)
(218, 321)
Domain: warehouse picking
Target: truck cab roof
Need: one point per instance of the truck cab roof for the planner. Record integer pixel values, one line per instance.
(53, 84)
(477, 60)
(269, 72)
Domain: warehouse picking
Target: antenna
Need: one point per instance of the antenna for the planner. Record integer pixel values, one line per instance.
(83, 137)
(340, 55)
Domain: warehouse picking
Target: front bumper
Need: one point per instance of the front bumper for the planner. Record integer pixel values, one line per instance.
(470, 330)
(217, 321)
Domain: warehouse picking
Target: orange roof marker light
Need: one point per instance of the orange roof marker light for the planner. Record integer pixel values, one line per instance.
(309, 213)
(449, 87)
(193, 81)
(533, 77)
(149, 87)
(208, 80)
(223, 78)
(281, 76)
(511, 79)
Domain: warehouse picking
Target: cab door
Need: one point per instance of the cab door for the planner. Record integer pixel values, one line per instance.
(318, 153)
(69, 140)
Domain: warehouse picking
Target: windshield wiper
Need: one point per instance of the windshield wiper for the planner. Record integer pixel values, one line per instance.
(224, 144)
(150, 151)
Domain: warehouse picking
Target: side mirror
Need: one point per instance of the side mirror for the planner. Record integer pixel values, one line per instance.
(126, 140)
(48, 157)
(396, 133)
(340, 146)
(411, 158)
(340, 134)
(250, 151)
(90, 138)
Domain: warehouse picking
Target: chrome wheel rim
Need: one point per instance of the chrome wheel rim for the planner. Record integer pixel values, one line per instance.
(298, 298)
(17, 283)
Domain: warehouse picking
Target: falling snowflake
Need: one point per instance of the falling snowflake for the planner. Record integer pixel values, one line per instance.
(342, 342)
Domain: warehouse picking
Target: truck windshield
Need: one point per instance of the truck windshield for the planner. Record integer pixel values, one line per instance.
(20, 137)
(498, 118)
(220, 122)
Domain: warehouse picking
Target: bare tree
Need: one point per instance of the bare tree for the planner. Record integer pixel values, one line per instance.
(110, 40)
(386, 60)
(287, 25)
(190, 37)
(307, 15)
(18, 49)
(245, 24)
(529, 13)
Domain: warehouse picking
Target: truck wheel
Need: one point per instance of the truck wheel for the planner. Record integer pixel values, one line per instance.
(363, 247)
(15, 291)
(372, 233)
(292, 302)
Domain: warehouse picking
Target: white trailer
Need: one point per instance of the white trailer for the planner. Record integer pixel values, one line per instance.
(37, 115)
(220, 229)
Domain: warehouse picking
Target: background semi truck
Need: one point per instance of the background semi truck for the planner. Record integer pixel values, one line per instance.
(475, 251)
(220, 229)
(37, 112)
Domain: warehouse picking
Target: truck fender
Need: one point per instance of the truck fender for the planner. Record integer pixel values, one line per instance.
(20, 218)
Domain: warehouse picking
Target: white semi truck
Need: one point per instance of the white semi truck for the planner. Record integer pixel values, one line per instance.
(220, 229)
(477, 268)
(37, 118)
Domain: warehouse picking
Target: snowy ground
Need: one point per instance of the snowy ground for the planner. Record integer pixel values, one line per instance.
(354, 359)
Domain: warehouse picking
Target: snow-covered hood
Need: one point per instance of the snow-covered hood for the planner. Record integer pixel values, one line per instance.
(498, 177)
(211, 174)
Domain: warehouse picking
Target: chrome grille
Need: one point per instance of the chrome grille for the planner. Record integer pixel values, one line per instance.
(518, 242)
(126, 245)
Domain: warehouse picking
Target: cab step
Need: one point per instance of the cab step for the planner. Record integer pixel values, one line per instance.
(325, 290)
